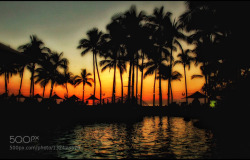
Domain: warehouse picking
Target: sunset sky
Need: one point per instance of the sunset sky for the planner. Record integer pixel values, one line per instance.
(60, 25)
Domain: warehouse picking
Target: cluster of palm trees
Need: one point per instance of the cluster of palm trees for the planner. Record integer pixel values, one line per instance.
(44, 66)
(145, 43)
(216, 40)
(132, 37)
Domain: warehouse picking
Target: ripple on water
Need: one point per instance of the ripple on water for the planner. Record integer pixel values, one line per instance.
(154, 137)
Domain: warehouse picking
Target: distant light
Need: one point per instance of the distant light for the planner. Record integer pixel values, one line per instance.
(212, 103)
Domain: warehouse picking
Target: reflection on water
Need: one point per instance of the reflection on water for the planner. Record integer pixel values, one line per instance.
(154, 137)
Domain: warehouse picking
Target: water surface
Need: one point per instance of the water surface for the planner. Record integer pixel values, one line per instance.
(153, 137)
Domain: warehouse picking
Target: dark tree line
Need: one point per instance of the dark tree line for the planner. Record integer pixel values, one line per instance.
(146, 43)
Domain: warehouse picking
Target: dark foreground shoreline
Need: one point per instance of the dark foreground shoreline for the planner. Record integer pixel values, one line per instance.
(39, 119)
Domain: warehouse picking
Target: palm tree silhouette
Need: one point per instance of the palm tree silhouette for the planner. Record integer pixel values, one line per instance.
(7, 69)
(121, 65)
(113, 48)
(48, 70)
(203, 57)
(146, 45)
(205, 36)
(165, 74)
(84, 80)
(204, 73)
(93, 43)
(9, 63)
(164, 34)
(57, 62)
(170, 31)
(151, 69)
(67, 78)
(153, 65)
(33, 50)
(185, 60)
(131, 21)
(41, 74)
(20, 70)
(174, 33)
(41, 78)
(112, 62)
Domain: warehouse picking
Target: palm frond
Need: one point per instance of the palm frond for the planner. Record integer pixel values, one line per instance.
(196, 76)
(178, 62)
(89, 84)
(149, 71)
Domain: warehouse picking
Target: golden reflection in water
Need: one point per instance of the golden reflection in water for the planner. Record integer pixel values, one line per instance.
(153, 137)
(186, 139)
(149, 134)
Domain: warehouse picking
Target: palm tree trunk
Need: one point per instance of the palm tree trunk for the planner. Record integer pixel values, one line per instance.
(141, 79)
(51, 89)
(129, 80)
(171, 90)
(6, 82)
(33, 82)
(21, 83)
(99, 80)
(185, 83)
(168, 92)
(121, 85)
(43, 90)
(114, 78)
(33, 87)
(83, 84)
(154, 90)
(160, 93)
(66, 86)
(94, 76)
(19, 92)
(136, 91)
(170, 76)
(133, 80)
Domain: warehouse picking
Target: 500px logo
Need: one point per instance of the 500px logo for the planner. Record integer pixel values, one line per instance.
(23, 139)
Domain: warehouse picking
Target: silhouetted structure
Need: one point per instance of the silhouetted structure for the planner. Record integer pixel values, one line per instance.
(197, 95)
(73, 98)
(37, 96)
(93, 98)
(20, 96)
(55, 96)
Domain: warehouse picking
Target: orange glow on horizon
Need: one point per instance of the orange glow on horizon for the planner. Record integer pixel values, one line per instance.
(77, 62)
(107, 84)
